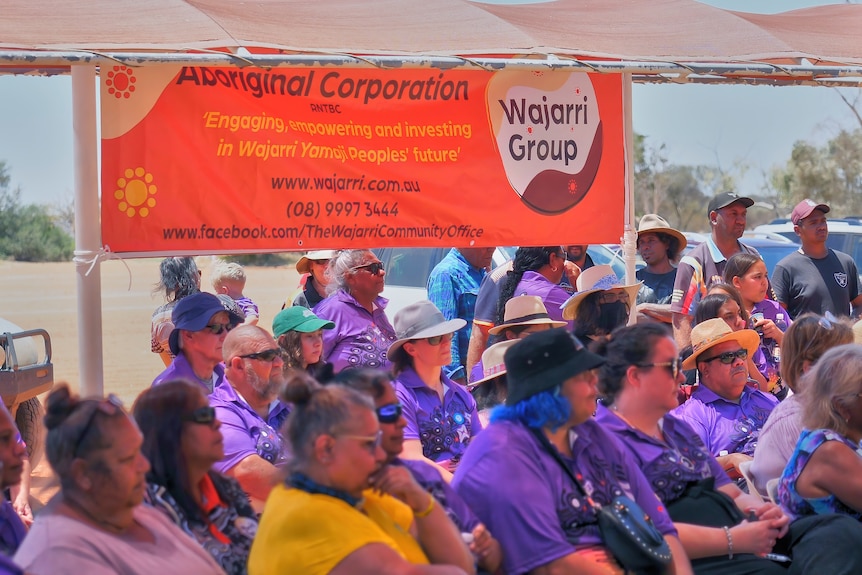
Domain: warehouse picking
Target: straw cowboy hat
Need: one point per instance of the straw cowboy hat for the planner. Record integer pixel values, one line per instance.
(655, 224)
(420, 320)
(303, 266)
(712, 332)
(493, 365)
(525, 310)
(596, 279)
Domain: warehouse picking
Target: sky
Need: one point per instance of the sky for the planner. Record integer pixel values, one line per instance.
(723, 126)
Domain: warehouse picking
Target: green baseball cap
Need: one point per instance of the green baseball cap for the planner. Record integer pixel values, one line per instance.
(298, 318)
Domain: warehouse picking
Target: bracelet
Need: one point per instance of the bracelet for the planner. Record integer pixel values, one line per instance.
(729, 542)
(427, 511)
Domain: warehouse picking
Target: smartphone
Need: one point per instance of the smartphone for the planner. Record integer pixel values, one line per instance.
(778, 557)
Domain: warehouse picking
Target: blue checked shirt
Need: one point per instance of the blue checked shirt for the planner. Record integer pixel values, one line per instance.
(453, 286)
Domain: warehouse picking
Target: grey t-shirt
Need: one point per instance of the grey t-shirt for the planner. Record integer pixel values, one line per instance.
(804, 284)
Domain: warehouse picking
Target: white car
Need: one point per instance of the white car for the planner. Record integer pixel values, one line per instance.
(407, 270)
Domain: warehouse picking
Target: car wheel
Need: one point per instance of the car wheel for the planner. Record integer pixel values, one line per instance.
(29, 419)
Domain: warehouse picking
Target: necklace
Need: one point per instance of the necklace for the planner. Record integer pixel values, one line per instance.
(655, 435)
(103, 523)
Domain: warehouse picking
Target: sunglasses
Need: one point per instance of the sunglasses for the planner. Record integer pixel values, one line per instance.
(371, 442)
(675, 366)
(203, 415)
(614, 297)
(389, 413)
(728, 357)
(438, 339)
(320, 262)
(218, 328)
(374, 269)
(265, 355)
(110, 406)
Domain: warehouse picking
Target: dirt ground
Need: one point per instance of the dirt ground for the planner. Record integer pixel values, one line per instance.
(44, 296)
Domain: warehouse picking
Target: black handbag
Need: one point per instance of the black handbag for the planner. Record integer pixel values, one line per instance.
(627, 531)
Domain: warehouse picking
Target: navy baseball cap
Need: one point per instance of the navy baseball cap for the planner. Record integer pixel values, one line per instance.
(193, 313)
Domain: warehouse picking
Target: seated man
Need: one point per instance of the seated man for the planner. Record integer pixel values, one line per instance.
(723, 410)
(250, 412)
(201, 324)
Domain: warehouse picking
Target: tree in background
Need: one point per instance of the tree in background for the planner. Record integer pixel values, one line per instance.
(28, 232)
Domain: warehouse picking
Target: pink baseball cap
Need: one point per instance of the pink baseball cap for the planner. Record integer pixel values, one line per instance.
(804, 208)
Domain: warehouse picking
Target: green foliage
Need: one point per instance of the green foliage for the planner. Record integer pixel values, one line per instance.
(831, 173)
(268, 260)
(28, 232)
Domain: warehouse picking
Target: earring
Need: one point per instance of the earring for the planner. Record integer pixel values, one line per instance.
(553, 268)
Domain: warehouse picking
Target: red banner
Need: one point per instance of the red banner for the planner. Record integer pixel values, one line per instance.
(201, 159)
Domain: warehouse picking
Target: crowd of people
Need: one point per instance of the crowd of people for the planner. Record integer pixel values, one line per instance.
(543, 417)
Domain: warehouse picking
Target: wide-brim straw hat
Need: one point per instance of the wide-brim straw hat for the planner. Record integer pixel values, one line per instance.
(303, 266)
(493, 365)
(596, 279)
(525, 310)
(655, 224)
(712, 332)
(420, 320)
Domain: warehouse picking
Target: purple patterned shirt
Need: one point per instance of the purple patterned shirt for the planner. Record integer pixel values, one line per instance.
(668, 465)
(553, 296)
(360, 339)
(245, 433)
(180, 368)
(723, 425)
(445, 429)
(531, 505)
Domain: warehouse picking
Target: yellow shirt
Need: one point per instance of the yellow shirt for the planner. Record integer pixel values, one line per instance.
(309, 534)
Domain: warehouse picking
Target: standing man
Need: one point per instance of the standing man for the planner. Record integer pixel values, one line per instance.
(659, 245)
(250, 412)
(201, 324)
(704, 265)
(453, 287)
(816, 278)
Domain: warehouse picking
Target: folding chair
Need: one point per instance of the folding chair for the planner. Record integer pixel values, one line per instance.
(772, 489)
(745, 469)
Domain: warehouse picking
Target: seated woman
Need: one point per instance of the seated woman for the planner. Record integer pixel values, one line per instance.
(300, 334)
(376, 384)
(518, 487)
(338, 511)
(722, 529)
(602, 303)
(96, 523)
(805, 342)
(491, 390)
(824, 474)
(441, 415)
(182, 441)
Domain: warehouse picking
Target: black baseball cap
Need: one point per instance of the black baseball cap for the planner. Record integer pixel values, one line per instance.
(725, 199)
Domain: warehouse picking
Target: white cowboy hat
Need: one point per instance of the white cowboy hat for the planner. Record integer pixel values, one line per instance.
(595, 279)
(493, 365)
(303, 266)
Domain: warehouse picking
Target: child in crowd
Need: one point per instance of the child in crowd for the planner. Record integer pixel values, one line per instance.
(229, 278)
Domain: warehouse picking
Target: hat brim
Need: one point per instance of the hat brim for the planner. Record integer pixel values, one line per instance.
(478, 382)
(570, 306)
(450, 326)
(543, 380)
(538, 321)
(669, 231)
(747, 338)
(308, 326)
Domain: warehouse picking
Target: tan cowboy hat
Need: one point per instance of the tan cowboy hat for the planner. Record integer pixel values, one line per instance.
(493, 365)
(655, 224)
(303, 266)
(595, 279)
(420, 320)
(712, 332)
(525, 310)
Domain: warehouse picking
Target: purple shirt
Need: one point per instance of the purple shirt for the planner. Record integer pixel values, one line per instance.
(248, 307)
(180, 368)
(764, 357)
(12, 530)
(429, 477)
(668, 465)
(530, 504)
(245, 432)
(553, 296)
(444, 429)
(723, 425)
(360, 339)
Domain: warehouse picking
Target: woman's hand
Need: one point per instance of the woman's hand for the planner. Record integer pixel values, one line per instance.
(756, 537)
(770, 330)
(774, 515)
(398, 482)
(486, 549)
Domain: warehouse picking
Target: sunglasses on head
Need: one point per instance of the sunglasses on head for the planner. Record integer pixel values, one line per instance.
(203, 415)
(218, 328)
(728, 357)
(389, 413)
(374, 269)
(110, 406)
(265, 355)
(674, 366)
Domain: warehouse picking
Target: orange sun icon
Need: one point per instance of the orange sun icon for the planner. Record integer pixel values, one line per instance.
(573, 186)
(134, 191)
(121, 81)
